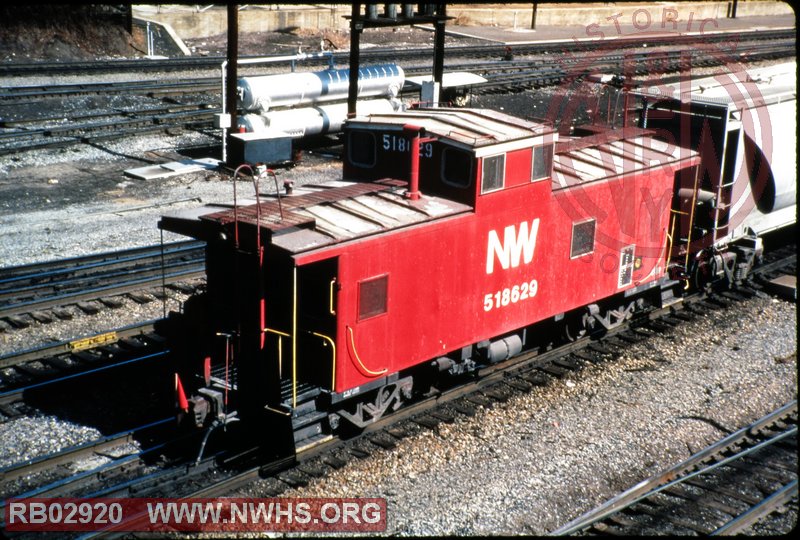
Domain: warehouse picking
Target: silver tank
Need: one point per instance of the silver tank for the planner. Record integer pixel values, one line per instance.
(318, 120)
(260, 94)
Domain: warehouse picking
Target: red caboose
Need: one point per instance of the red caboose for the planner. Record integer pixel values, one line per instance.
(454, 235)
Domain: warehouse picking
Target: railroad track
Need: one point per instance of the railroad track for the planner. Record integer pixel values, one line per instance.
(221, 473)
(376, 55)
(217, 472)
(527, 72)
(48, 474)
(723, 489)
(153, 88)
(40, 291)
(24, 371)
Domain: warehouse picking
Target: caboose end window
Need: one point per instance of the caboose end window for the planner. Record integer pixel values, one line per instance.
(361, 148)
(582, 238)
(542, 162)
(494, 168)
(372, 297)
(456, 168)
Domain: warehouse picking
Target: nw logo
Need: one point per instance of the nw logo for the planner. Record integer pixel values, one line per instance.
(515, 246)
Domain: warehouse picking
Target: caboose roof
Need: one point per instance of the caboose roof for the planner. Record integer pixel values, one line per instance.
(475, 128)
(604, 156)
(321, 215)
(741, 89)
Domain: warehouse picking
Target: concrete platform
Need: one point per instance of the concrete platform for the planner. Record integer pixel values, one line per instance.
(173, 168)
(621, 28)
(784, 286)
(494, 21)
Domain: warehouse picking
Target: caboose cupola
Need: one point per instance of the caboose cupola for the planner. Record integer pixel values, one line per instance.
(453, 153)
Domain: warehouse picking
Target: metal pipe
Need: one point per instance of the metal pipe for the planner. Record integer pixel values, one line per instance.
(235, 206)
(356, 27)
(413, 174)
(294, 337)
(233, 53)
(416, 133)
(260, 254)
(224, 111)
(277, 192)
(691, 223)
(438, 46)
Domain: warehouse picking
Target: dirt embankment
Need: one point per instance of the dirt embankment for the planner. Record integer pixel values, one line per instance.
(63, 33)
(71, 33)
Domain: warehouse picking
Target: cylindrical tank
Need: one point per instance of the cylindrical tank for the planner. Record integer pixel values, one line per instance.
(318, 120)
(259, 94)
(771, 156)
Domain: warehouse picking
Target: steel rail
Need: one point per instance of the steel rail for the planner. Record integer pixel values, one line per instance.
(213, 62)
(777, 500)
(61, 282)
(698, 463)
(67, 346)
(16, 93)
(17, 394)
(48, 461)
(487, 377)
(71, 134)
(22, 293)
(155, 278)
(51, 267)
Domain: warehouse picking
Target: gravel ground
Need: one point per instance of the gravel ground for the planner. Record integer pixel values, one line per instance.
(532, 464)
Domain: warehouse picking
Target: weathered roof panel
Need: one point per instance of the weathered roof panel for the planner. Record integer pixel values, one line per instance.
(475, 127)
(337, 213)
(610, 157)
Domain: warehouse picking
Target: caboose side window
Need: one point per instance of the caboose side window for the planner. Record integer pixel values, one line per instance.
(542, 162)
(361, 148)
(456, 167)
(494, 169)
(372, 297)
(582, 238)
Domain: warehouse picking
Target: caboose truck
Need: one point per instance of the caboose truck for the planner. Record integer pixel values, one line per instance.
(458, 238)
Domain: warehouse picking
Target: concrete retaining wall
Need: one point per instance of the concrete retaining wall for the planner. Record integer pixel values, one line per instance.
(189, 21)
(519, 15)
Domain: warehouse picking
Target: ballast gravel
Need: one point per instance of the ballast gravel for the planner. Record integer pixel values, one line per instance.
(545, 457)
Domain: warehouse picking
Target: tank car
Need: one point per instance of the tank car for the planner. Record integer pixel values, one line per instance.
(455, 239)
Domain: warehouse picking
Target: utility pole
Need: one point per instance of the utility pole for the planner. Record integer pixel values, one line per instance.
(233, 58)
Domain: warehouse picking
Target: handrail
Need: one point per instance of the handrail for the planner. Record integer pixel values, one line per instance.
(330, 303)
(364, 368)
(333, 363)
(280, 347)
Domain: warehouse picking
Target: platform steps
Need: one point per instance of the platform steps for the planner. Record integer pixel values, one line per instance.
(307, 421)
(668, 296)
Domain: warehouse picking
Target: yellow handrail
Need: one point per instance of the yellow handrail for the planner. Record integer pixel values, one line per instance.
(360, 363)
(280, 347)
(330, 305)
(691, 224)
(333, 367)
